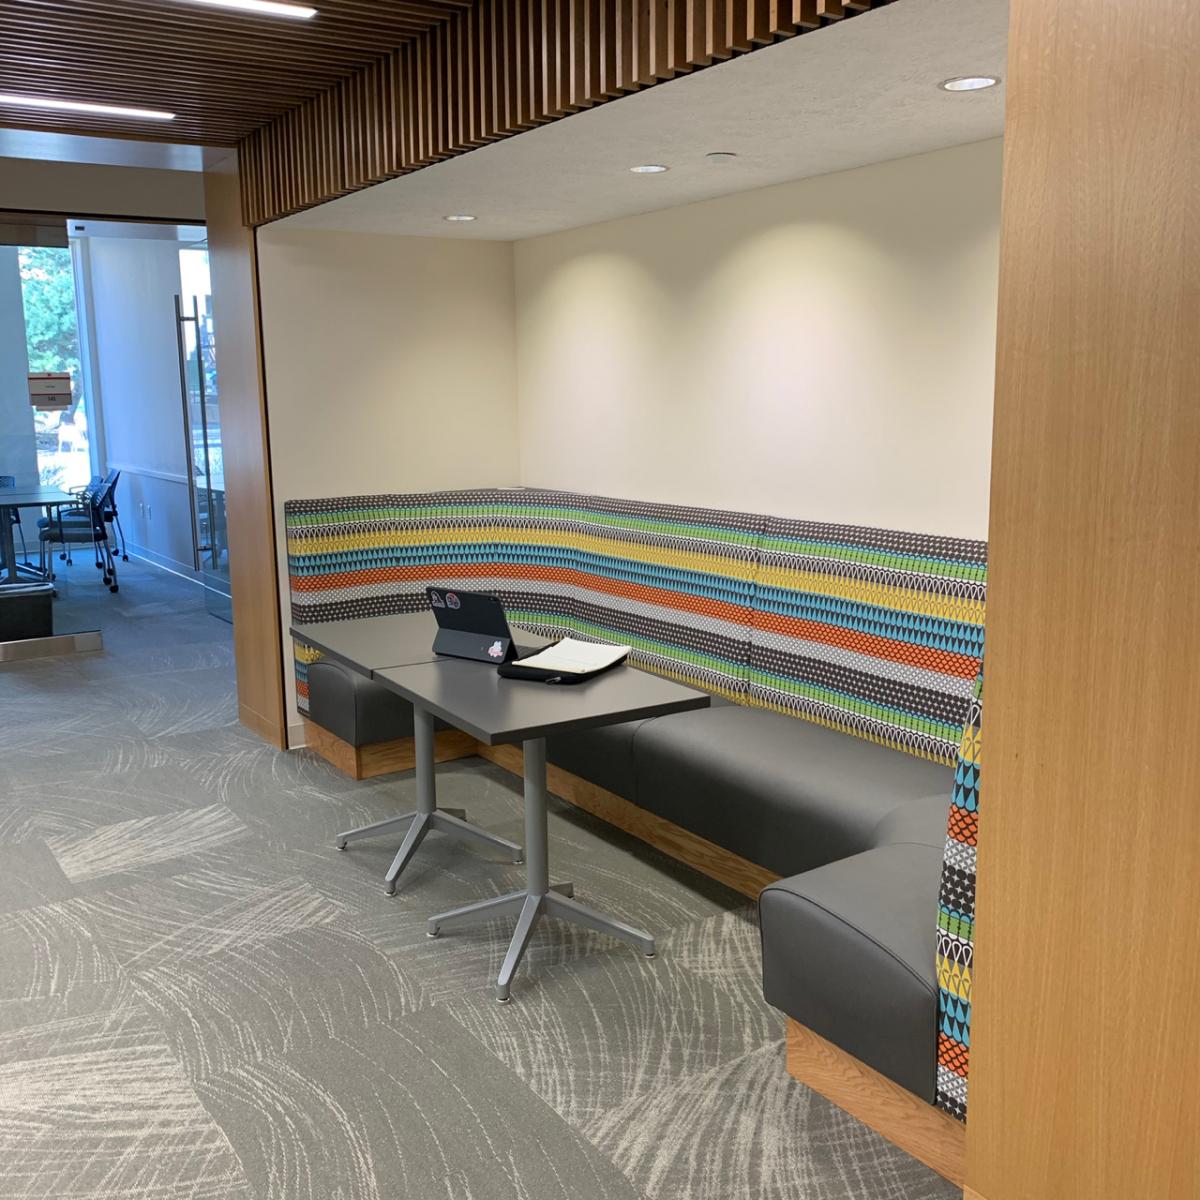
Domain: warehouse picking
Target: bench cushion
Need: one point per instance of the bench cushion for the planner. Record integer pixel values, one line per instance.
(355, 708)
(847, 952)
(782, 793)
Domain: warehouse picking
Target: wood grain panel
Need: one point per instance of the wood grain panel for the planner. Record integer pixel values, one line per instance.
(492, 69)
(931, 1136)
(258, 648)
(223, 73)
(1085, 1054)
(383, 758)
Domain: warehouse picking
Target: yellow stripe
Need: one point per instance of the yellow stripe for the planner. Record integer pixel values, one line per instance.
(711, 564)
(881, 595)
(954, 979)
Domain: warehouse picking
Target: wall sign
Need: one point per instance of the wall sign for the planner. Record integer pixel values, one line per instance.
(50, 391)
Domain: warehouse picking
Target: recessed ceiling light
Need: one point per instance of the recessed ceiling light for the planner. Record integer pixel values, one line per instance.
(969, 83)
(459, 217)
(649, 169)
(80, 106)
(720, 156)
(264, 8)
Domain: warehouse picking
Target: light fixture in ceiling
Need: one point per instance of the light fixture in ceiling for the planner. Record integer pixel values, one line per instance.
(720, 156)
(458, 217)
(81, 106)
(969, 83)
(649, 169)
(263, 8)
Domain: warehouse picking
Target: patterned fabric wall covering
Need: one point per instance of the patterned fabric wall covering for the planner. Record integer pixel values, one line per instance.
(675, 583)
(870, 631)
(956, 918)
(866, 630)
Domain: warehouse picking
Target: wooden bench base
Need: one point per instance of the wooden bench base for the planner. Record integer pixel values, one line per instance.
(931, 1136)
(382, 758)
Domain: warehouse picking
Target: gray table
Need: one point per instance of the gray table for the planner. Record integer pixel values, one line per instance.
(13, 501)
(368, 644)
(473, 697)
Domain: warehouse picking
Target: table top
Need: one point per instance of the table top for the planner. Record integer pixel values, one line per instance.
(473, 697)
(35, 497)
(369, 643)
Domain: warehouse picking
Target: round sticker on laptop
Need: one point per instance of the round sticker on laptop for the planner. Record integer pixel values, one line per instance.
(452, 600)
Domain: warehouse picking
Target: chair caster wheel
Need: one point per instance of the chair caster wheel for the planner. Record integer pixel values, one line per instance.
(114, 588)
(98, 566)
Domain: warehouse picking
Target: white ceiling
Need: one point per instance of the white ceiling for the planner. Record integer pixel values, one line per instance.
(859, 92)
(113, 152)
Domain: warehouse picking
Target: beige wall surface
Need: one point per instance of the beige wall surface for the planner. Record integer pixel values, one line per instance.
(821, 349)
(92, 190)
(390, 366)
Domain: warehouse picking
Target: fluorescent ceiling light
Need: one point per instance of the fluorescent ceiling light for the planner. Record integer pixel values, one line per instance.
(968, 83)
(649, 169)
(79, 106)
(264, 8)
(459, 217)
(721, 156)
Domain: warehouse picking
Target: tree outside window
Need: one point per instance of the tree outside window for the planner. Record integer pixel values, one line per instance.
(52, 338)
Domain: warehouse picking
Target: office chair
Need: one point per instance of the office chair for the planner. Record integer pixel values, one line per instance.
(10, 482)
(78, 525)
(111, 515)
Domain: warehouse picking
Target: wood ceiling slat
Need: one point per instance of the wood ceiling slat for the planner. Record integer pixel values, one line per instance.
(223, 73)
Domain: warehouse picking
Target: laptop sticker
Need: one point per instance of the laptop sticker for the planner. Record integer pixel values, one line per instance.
(435, 598)
(496, 649)
(452, 601)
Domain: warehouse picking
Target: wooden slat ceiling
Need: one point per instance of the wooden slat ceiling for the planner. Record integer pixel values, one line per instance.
(494, 69)
(223, 73)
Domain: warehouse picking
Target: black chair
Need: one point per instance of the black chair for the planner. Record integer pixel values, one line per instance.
(79, 524)
(10, 482)
(111, 516)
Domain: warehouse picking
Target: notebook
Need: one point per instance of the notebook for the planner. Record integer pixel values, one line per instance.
(568, 661)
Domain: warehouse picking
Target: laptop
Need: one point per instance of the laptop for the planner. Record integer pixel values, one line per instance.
(473, 625)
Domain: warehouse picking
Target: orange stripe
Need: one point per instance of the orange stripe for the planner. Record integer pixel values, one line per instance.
(681, 601)
(944, 662)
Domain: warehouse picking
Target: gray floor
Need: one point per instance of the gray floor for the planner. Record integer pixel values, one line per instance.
(200, 998)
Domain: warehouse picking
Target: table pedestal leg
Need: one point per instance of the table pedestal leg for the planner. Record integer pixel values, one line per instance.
(540, 898)
(428, 816)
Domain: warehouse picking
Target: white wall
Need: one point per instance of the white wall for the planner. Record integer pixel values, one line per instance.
(390, 366)
(133, 285)
(87, 189)
(821, 349)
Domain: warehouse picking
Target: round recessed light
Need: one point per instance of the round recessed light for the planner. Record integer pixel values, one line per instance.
(649, 169)
(459, 217)
(720, 156)
(969, 83)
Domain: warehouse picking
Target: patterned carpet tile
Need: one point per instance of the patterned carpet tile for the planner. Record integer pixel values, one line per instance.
(94, 1104)
(51, 951)
(746, 1131)
(611, 1027)
(409, 1111)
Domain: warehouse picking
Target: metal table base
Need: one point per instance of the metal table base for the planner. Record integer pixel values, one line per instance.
(427, 816)
(540, 898)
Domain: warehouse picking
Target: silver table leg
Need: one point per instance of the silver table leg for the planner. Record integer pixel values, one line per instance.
(540, 898)
(428, 816)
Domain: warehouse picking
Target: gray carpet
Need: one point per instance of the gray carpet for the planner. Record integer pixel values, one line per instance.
(200, 998)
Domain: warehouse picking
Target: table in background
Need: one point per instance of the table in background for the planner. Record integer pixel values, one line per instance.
(13, 501)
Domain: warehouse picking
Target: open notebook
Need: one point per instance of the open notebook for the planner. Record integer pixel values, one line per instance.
(568, 661)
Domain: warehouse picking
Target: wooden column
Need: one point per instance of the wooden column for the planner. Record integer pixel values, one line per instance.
(250, 507)
(1085, 1072)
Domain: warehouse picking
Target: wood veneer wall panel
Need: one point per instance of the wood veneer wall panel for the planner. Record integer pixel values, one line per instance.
(1085, 1072)
(256, 628)
(491, 69)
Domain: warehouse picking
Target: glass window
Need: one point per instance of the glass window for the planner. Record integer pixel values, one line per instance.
(52, 338)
